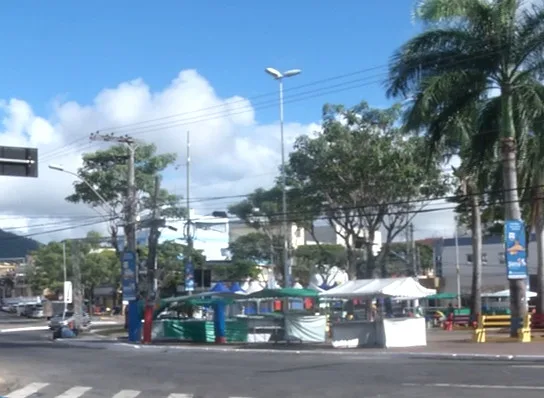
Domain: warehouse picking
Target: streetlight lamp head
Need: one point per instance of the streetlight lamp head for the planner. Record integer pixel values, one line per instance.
(276, 74)
(292, 72)
(56, 167)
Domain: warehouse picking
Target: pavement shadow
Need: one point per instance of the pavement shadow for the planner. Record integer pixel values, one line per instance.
(39, 345)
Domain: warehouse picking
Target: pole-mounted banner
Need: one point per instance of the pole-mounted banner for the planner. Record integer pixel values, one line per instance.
(515, 249)
(129, 276)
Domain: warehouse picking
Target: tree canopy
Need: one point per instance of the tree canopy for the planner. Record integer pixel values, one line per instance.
(107, 172)
(367, 175)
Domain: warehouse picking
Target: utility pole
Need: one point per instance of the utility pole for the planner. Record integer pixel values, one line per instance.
(78, 295)
(413, 251)
(189, 268)
(65, 276)
(154, 234)
(130, 210)
(457, 267)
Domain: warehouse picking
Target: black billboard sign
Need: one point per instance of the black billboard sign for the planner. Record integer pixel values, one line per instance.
(18, 162)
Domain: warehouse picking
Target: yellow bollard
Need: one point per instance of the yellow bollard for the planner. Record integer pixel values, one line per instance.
(479, 335)
(524, 333)
(479, 332)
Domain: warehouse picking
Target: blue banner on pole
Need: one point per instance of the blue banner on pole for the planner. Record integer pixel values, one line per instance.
(189, 277)
(129, 276)
(515, 249)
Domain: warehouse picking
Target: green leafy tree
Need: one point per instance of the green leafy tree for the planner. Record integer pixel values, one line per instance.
(398, 259)
(171, 270)
(318, 259)
(107, 171)
(99, 267)
(367, 175)
(248, 253)
(468, 47)
(46, 270)
(261, 210)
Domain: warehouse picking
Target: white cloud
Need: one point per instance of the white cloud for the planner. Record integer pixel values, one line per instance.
(231, 153)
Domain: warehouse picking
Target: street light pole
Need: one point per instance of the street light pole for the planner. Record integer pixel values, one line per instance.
(189, 267)
(277, 75)
(76, 289)
(65, 277)
(457, 268)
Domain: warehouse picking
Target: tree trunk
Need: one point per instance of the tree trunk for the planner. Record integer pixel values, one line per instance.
(539, 232)
(476, 291)
(512, 208)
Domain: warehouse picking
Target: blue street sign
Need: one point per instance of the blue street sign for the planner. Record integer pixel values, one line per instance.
(129, 276)
(515, 249)
(189, 277)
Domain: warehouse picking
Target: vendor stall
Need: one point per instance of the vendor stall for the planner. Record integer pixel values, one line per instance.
(380, 329)
(297, 324)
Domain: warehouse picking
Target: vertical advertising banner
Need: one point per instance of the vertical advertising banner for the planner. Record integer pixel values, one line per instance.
(515, 247)
(189, 277)
(129, 276)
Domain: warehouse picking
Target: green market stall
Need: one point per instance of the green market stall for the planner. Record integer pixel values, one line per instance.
(197, 330)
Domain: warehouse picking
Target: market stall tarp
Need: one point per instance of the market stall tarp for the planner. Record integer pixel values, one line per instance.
(407, 288)
(506, 294)
(442, 296)
(309, 328)
(285, 292)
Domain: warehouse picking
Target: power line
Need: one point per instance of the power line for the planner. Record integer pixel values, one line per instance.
(49, 224)
(228, 112)
(50, 231)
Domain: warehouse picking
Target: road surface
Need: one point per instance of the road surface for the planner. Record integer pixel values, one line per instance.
(35, 367)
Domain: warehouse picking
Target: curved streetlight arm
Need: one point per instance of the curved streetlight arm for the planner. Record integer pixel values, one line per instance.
(105, 203)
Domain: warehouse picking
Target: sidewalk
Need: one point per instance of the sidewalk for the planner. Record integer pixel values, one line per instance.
(440, 345)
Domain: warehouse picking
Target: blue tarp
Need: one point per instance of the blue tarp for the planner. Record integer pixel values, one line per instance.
(235, 287)
(219, 288)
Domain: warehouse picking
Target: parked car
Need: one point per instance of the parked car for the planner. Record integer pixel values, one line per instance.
(36, 312)
(58, 320)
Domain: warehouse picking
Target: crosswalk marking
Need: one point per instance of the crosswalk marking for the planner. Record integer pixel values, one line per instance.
(43, 390)
(127, 394)
(75, 392)
(27, 391)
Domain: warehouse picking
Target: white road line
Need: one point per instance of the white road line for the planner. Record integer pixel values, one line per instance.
(529, 366)
(127, 394)
(180, 396)
(25, 329)
(75, 392)
(27, 391)
(475, 386)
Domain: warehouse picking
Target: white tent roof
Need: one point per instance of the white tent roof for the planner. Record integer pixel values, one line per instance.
(407, 288)
(505, 294)
(249, 288)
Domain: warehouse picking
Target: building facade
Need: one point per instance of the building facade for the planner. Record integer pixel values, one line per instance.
(210, 235)
(493, 262)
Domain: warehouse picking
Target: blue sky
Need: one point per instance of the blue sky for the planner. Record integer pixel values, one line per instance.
(60, 56)
(75, 49)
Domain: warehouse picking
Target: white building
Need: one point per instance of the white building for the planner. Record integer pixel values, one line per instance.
(210, 234)
(325, 234)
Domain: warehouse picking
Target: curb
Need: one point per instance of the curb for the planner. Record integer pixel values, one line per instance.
(336, 353)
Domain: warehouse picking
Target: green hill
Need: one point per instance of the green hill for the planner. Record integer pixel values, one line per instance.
(12, 245)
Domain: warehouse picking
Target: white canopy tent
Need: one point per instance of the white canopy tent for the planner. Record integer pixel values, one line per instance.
(506, 294)
(406, 288)
(249, 288)
(381, 331)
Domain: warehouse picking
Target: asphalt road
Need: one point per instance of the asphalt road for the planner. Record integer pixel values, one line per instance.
(101, 372)
(10, 319)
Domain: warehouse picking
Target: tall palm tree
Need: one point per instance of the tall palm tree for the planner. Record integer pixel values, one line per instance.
(455, 136)
(468, 48)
